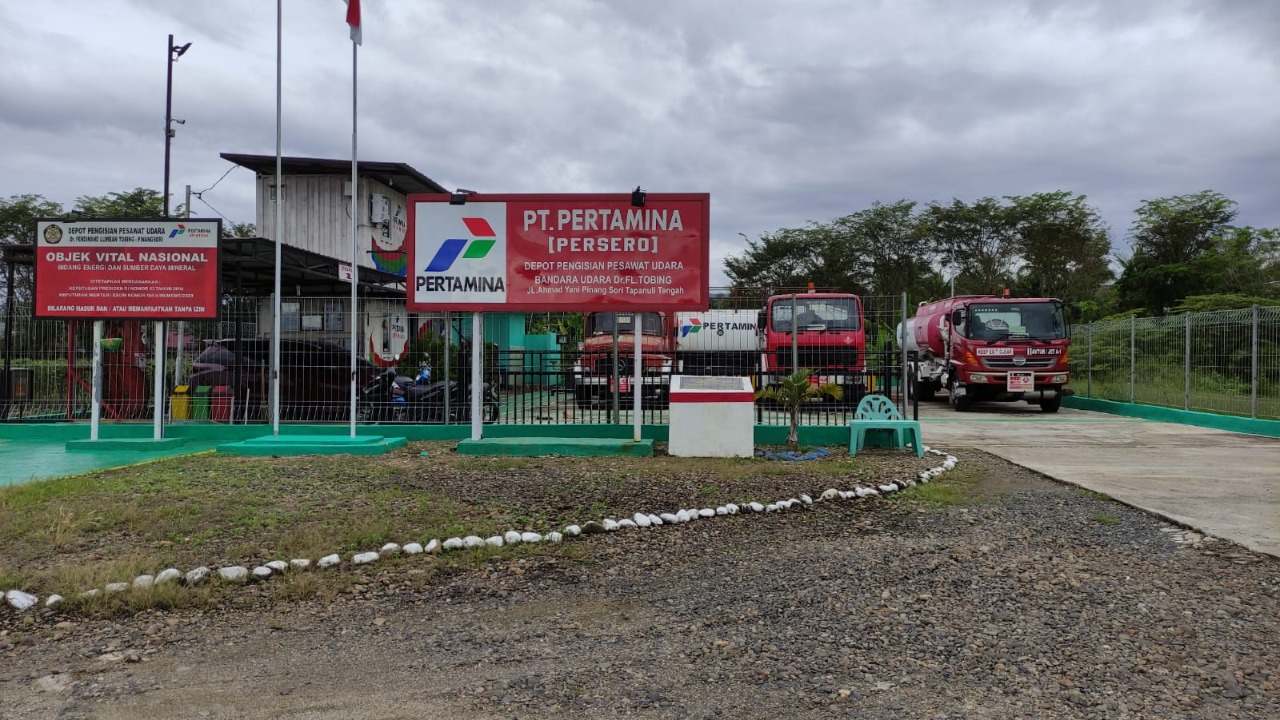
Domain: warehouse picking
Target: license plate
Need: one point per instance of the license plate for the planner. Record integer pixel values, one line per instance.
(1021, 381)
(624, 384)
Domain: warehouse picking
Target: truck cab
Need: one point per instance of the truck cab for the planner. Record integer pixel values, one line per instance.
(988, 348)
(595, 376)
(829, 334)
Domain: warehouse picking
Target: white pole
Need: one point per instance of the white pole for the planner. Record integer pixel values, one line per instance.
(477, 343)
(355, 260)
(158, 431)
(95, 410)
(182, 325)
(275, 234)
(637, 378)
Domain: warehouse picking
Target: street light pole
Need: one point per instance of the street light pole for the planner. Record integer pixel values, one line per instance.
(172, 53)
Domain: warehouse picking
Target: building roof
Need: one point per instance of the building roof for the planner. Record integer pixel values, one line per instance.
(400, 176)
(248, 268)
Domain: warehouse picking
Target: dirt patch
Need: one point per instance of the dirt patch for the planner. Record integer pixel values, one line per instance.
(1019, 605)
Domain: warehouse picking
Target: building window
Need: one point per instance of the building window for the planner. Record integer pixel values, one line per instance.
(334, 312)
(290, 316)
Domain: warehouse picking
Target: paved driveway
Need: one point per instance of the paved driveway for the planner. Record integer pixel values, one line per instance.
(1224, 484)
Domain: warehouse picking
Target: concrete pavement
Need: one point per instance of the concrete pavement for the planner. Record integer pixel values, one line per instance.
(1224, 484)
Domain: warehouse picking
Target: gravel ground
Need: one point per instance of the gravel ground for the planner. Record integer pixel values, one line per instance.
(1033, 600)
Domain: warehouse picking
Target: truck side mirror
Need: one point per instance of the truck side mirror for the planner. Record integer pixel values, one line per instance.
(957, 317)
(1074, 312)
(760, 320)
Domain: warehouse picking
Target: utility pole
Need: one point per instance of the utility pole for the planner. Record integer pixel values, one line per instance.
(172, 53)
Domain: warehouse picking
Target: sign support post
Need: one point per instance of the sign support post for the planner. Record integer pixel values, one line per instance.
(637, 388)
(477, 343)
(95, 409)
(158, 416)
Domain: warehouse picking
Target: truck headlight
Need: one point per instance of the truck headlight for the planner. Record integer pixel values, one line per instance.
(1058, 379)
(977, 378)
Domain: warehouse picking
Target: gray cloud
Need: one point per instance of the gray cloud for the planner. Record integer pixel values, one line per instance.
(784, 112)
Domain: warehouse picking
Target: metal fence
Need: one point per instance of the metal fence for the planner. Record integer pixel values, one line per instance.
(536, 366)
(1223, 362)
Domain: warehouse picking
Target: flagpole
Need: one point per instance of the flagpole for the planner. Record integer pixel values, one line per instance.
(275, 233)
(355, 259)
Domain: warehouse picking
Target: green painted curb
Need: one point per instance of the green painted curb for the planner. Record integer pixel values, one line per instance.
(574, 447)
(1230, 423)
(135, 444)
(293, 445)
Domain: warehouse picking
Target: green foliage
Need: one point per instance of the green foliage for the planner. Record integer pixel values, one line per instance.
(432, 348)
(1223, 301)
(792, 392)
(136, 203)
(977, 241)
(1185, 246)
(1063, 244)
(570, 324)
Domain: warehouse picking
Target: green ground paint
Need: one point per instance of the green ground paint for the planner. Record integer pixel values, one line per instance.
(1230, 423)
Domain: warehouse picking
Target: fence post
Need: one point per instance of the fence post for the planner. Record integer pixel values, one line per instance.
(1186, 371)
(1133, 368)
(1088, 388)
(1253, 371)
(902, 348)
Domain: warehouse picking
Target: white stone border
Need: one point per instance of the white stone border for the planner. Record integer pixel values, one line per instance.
(21, 601)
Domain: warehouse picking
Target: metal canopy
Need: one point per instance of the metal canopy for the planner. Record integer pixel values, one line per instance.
(248, 267)
(400, 176)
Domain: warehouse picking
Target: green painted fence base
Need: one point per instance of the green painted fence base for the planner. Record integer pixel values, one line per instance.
(293, 445)
(1230, 423)
(571, 446)
(137, 444)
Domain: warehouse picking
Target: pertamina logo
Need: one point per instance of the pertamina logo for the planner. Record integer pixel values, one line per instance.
(181, 230)
(457, 251)
(693, 326)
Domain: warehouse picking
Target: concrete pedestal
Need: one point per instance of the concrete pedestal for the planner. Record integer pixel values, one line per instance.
(711, 417)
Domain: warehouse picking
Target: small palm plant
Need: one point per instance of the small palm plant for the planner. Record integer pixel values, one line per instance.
(792, 392)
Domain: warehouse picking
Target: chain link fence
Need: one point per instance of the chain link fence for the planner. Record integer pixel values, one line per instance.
(1221, 362)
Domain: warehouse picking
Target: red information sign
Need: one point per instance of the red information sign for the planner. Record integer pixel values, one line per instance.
(559, 252)
(127, 269)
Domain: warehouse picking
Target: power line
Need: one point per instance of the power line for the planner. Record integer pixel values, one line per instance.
(215, 184)
(197, 196)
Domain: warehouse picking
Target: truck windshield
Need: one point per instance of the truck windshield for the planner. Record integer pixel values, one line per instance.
(602, 323)
(817, 314)
(1034, 321)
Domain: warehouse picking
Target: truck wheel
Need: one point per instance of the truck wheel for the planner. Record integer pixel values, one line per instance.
(960, 403)
(582, 398)
(1051, 406)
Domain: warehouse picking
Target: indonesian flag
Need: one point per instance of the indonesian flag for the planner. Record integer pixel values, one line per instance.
(353, 19)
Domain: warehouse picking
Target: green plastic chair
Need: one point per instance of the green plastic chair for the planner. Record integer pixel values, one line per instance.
(877, 414)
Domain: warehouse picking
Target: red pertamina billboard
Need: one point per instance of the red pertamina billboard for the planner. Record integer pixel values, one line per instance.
(127, 269)
(559, 252)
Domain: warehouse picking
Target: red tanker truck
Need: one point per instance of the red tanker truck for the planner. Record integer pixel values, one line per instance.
(988, 348)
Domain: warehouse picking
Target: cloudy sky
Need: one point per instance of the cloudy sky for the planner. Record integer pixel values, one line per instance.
(785, 112)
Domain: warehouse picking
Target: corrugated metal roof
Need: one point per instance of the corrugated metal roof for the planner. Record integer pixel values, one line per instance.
(400, 176)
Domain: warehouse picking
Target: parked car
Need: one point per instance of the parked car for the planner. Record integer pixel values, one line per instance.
(315, 377)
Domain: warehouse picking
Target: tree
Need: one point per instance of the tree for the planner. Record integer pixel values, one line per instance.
(793, 257)
(893, 256)
(792, 392)
(18, 216)
(1185, 246)
(1062, 244)
(136, 203)
(978, 241)
(239, 230)
(876, 251)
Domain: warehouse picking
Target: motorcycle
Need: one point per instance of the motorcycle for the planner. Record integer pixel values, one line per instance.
(395, 398)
